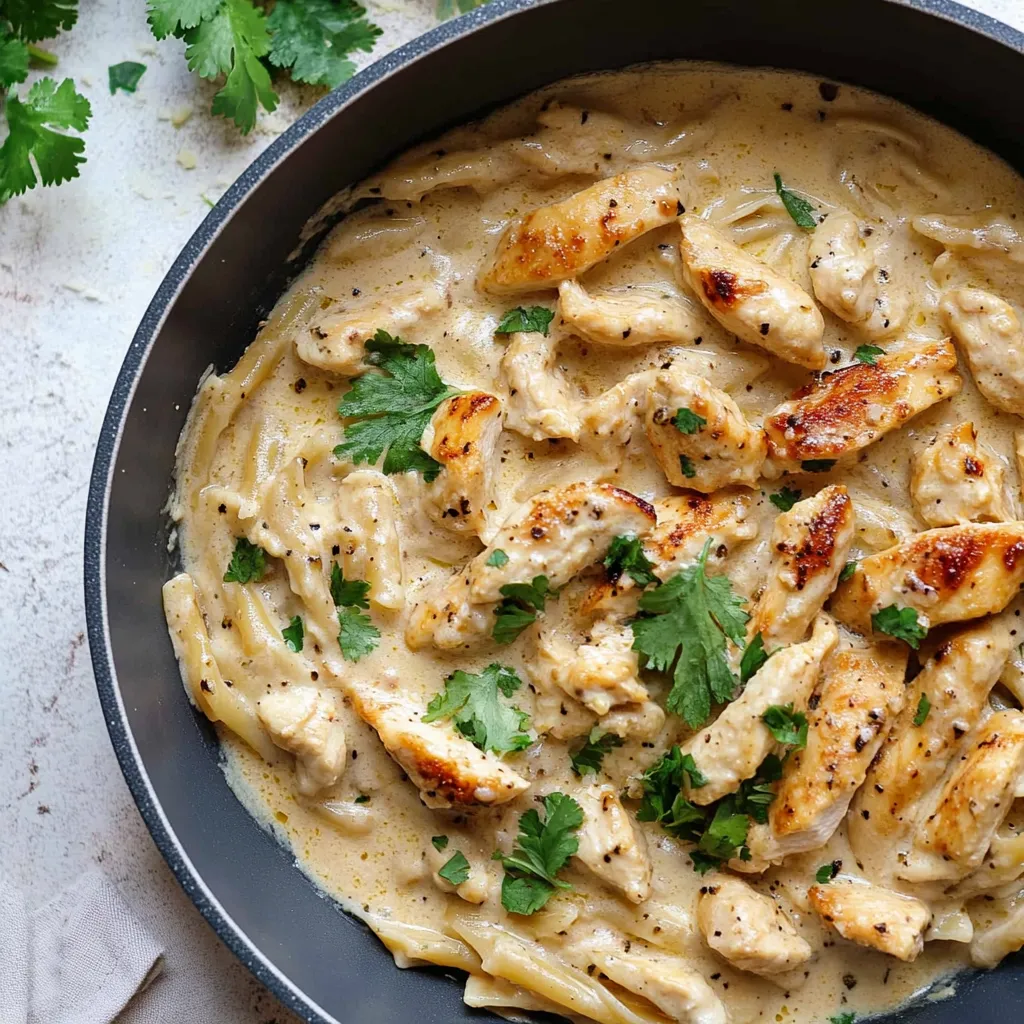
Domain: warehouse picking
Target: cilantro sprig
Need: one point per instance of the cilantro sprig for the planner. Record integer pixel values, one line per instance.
(248, 563)
(235, 40)
(924, 707)
(388, 411)
(471, 701)
(868, 354)
(687, 622)
(357, 635)
(542, 849)
(518, 608)
(456, 869)
(785, 498)
(754, 656)
(686, 421)
(294, 633)
(787, 726)
(900, 624)
(590, 756)
(522, 319)
(796, 206)
(125, 76)
(626, 556)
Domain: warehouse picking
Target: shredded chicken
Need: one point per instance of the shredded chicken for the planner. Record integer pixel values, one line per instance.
(872, 916)
(845, 410)
(750, 299)
(609, 844)
(442, 764)
(750, 930)
(958, 479)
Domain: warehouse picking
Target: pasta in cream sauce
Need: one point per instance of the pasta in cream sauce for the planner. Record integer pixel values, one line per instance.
(641, 638)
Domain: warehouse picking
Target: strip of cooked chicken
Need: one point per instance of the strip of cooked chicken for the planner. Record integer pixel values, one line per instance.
(541, 403)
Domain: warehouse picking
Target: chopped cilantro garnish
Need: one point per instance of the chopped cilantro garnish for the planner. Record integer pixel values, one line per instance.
(924, 706)
(868, 354)
(686, 467)
(456, 869)
(754, 656)
(796, 206)
(348, 593)
(626, 555)
(589, 757)
(847, 1017)
(787, 726)
(847, 571)
(785, 499)
(827, 872)
(248, 563)
(362, 799)
(535, 319)
(497, 559)
(518, 608)
(900, 624)
(817, 465)
(125, 76)
(439, 842)
(471, 701)
(357, 635)
(293, 633)
(686, 421)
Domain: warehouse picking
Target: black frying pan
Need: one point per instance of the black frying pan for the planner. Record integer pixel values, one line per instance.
(952, 63)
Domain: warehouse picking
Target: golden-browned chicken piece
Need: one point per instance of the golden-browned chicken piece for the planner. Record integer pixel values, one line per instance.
(860, 698)
(443, 765)
(874, 917)
(734, 745)
(952, 840)
(334, 340)
(954, 684)
(749, 929)
(699, 436)
(555, 534)
(809, 546)
(852, 268)
(989, 334)
(946, 575)
(640, 315)
(541, 402)
(958, 479)
(608, 421)
(845, 410)
(748, 298)
(558, 242)
(610, 846)
(463, 436)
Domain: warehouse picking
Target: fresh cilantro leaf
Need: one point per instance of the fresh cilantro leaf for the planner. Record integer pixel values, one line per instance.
(686, 467)
(293, 633)
(440, 842)
(456, 869)
(755, 795)
(787, 726)
(924, 707)
(125, 76)
(785, 499)
(868, 354)
(702, 863)
(519, 607)
(827, 872)
(34, 143)
(314, 38)
(817, 465)
(847, 571)
(900, 624)
(392, 409)
(663, 801)
(348, 593)
(13, 60)
(626, 555)
(472, 703)
(173, 17)
(726, 834)
(357, 635)
(542, 850)
(362, 799)
(589, 757)
(754, 656)
(796, 206)
(32, 20)
(449, 8)
(686, 421)
(687, 621)
(248, 563)
(847, 1017)
(497, 559)
(535, 319)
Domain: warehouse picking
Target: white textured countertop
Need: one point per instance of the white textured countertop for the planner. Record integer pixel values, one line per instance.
(78, 266)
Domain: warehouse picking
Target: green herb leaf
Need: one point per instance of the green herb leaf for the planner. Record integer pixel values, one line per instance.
(589, 757)
(391, 410)
(362, 799)
(543, 849)
(519, 607)
(754, 656)
(686, 467)
(33, 141)
(456, 869)
(173, 17)
(357, 635)
(248, 563)
(440, 842)
(535, 319)
(314, 38)
(755, 795)
(348, 593)
(125, 75)
(687, 621)
(626, 555)
(497, 559)
(796, 206)
(294, 634)
(868, 354)
(726, 833)
(843, 1018)
(472, 703)
(785, 499)
(663, 801)
(32, 20)
(13, 60)
(688, 422)
(787, 726)
(900, 624)
(924, 706)
(449, 8)
(827, 872)
(847, 571)
(817, 465)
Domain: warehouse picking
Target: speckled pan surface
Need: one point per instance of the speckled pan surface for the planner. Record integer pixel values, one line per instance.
(953, 63)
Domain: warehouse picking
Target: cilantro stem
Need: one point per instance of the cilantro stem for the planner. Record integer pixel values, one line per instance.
(41, 56)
